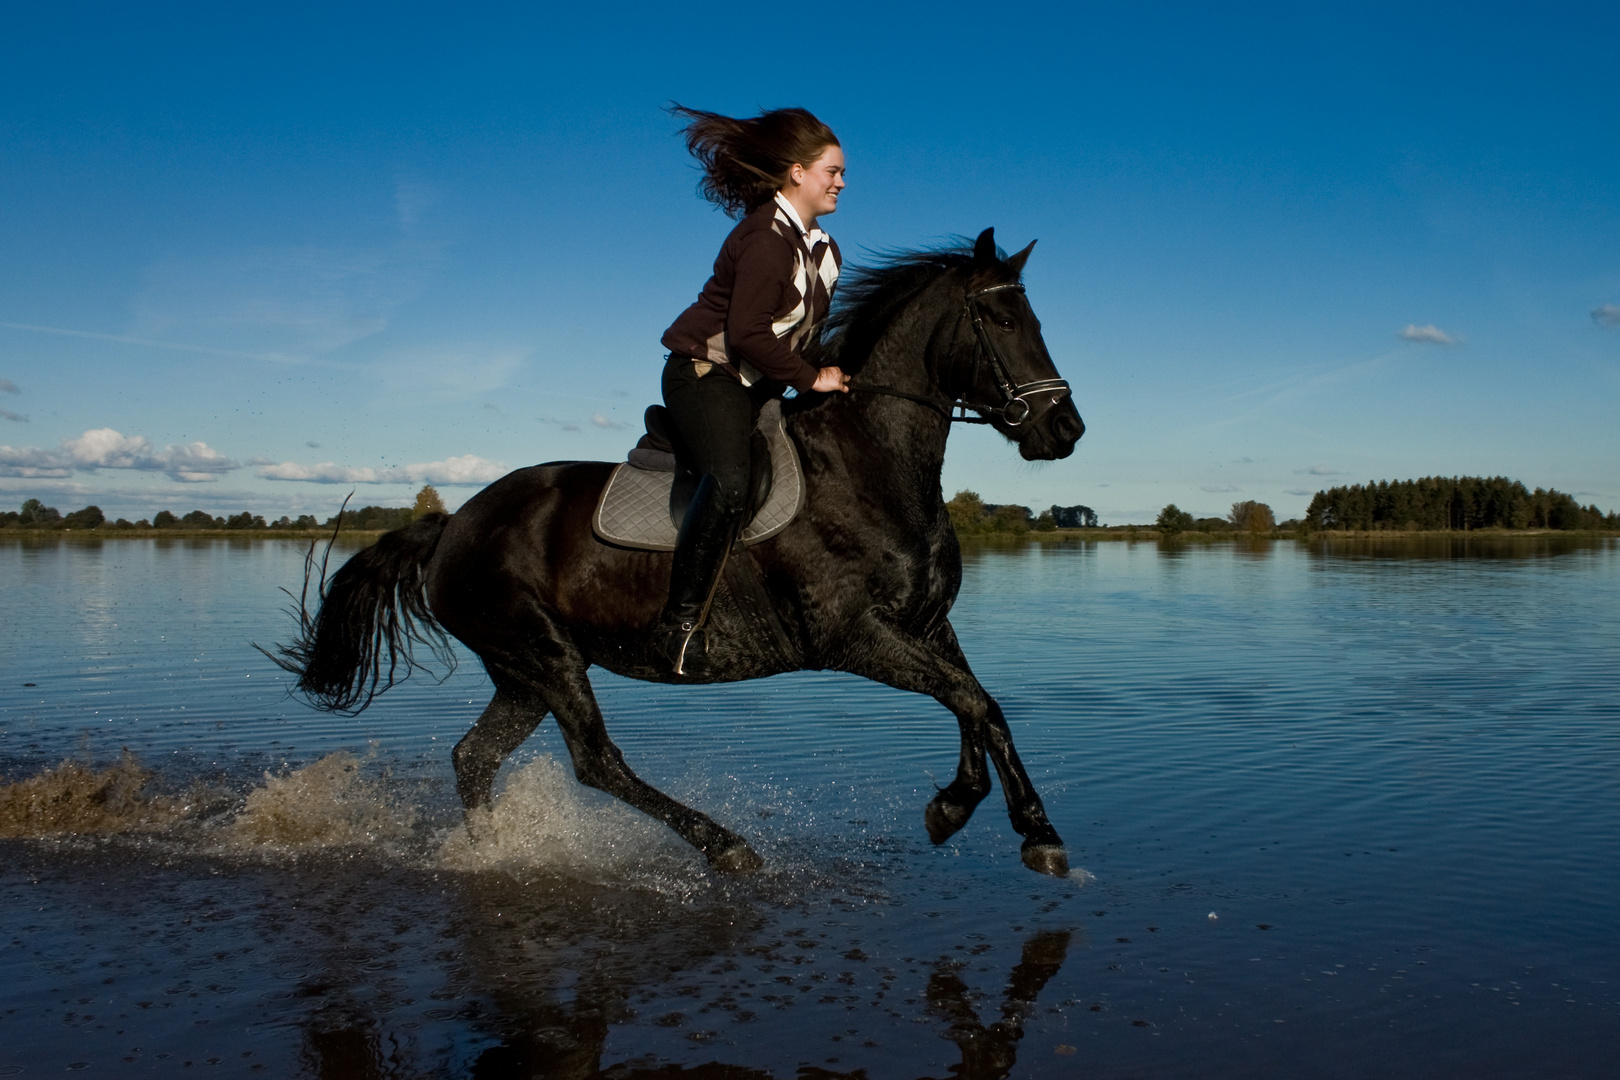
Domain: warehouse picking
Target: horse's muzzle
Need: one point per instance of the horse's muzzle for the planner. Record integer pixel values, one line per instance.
(1053, 434)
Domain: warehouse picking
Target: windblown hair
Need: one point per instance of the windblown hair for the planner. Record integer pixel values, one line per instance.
(746, 161)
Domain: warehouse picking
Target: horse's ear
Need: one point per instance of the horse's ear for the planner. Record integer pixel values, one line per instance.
(984, 248)
(1016, 262)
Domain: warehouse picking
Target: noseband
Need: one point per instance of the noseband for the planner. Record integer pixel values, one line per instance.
(1014, 407)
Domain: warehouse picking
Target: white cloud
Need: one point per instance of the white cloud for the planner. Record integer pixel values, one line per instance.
(9, 387)
(1429, 335)
(32, 463)
(1219, 487)
(466, 469)
(1607, 315)
(463, 471)
(107, 449)
(104, 448)
(603, 422)
(325, 473)
(1318, 470)
(1299, 491)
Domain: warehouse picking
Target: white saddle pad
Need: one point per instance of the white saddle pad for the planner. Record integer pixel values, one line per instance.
(633, 511)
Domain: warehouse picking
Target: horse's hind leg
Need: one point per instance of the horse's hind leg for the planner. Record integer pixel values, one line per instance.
(936, 667)
(599, 764)
(506, 722)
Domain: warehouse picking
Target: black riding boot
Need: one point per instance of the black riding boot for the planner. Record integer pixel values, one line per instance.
(701, 547)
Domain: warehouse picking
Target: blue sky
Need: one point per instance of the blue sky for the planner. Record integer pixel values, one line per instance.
(251, 257)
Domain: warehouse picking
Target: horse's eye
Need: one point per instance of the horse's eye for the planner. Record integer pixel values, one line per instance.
(1005, 324)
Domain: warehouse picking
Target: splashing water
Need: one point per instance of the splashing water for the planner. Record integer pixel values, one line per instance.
(72, 799)
(327, 803)
(543, 818)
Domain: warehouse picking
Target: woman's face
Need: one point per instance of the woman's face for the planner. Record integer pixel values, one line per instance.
(817, 185)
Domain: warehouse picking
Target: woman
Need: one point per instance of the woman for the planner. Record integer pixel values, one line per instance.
(740, 343)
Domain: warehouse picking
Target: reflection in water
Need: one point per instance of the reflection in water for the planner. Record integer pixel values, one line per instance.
(549, 977)
(989, 1053)
(560, 961)
(543, 1032)
(340, 1046)
(1454, 546)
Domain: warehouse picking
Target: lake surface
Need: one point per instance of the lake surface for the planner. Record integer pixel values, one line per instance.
(1342, 810)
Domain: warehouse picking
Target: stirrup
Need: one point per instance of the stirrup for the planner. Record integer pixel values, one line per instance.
(678, 646)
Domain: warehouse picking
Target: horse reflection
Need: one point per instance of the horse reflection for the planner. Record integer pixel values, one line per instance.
(546, 1036)
(990, 1052)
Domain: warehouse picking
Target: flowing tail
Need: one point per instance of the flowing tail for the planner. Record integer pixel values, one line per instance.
(370, 617)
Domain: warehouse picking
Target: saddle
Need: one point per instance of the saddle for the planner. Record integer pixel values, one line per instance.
(644, 502)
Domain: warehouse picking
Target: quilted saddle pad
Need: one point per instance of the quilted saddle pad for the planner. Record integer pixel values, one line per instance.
(633, 511)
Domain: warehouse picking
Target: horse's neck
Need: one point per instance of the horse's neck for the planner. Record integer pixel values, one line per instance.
(893, 447)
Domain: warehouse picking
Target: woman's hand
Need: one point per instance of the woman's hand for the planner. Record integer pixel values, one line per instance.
(830, 379)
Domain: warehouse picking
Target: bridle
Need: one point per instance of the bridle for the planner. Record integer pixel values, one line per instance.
(1014, 408)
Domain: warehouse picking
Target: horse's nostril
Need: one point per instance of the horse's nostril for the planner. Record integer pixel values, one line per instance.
(1068, 428)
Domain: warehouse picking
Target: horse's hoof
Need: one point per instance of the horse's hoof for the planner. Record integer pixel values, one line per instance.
(739, 858)
(945, 819)
(1049, 859)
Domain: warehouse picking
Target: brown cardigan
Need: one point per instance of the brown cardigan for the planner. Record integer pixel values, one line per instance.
(768, 294)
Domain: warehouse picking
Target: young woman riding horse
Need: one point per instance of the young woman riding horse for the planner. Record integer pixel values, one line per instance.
(739, 344)
(862, 580)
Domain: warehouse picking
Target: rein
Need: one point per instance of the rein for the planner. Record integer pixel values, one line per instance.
(1015, 407)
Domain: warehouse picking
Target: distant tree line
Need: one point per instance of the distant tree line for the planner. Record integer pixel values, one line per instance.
(972, 516)
(1246, 517)
(36, 515)
(1451, 502)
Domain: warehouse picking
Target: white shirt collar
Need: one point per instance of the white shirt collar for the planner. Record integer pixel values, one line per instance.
(811, 236)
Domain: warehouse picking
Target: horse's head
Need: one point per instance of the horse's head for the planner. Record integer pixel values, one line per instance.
(999, 363)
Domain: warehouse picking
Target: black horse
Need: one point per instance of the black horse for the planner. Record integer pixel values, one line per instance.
(862, 581)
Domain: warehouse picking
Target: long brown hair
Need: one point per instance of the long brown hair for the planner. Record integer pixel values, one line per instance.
(746, 161)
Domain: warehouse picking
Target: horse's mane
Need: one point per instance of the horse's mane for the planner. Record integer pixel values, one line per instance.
(869, 297)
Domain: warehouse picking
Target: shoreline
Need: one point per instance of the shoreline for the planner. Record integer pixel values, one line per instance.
(1141, 533)
(1129, 533)
(188, 534)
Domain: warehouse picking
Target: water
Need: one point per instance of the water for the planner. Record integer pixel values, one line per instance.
(1341, 810)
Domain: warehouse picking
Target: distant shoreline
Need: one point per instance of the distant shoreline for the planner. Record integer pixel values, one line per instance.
(189, 534)
(1148, 532)
(1128, 533)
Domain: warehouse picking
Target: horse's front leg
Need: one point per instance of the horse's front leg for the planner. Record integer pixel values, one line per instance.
(935, 666)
